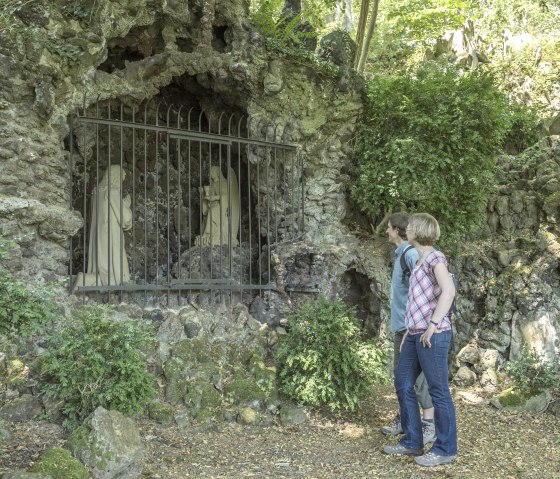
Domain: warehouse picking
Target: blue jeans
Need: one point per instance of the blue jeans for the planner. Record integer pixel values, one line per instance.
(415, 358)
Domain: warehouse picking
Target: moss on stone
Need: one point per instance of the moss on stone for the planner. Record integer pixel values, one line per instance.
(554, 198)
(161, 412)
(202, 394)
(79, 438)
(59, 464)
(512, 397)
(243, 388)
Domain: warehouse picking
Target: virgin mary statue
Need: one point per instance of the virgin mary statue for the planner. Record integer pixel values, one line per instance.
(110, 216)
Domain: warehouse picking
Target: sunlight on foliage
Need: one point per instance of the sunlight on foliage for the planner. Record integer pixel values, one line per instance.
(531, 374)
(323, 360)
(428, 143)
(95, 361)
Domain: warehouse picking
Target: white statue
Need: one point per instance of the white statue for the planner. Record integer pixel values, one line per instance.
(110, 216)
(220, 212)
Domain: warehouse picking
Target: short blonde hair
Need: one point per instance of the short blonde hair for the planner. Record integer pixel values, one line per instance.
(425, 228)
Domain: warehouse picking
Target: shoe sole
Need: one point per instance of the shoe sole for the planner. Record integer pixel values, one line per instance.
(410, 452)
(390, 433)
(443, 462)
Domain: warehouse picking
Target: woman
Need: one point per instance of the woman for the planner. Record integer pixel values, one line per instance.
(425, 348)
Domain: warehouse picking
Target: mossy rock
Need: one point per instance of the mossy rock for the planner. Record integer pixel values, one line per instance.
(248, 416)
(194, 352)
(514, 400)
(59, 464)
(201, 393)
(243, 388)
(161, 413)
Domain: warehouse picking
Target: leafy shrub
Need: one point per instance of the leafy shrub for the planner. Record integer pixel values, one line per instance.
(322, 359)
(96, 362)
(23, 311)
(427, 143)
(531, 374)
(284, 30)
(523, 129)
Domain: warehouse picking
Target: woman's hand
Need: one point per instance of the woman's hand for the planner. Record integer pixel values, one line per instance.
(427, 335)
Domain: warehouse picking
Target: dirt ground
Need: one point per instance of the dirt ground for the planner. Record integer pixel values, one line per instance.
(492, 445)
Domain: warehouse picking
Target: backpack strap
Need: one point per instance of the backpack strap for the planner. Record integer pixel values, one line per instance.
(404, 266)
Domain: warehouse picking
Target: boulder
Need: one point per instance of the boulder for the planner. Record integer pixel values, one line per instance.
(21, 409)
(109, 444)
(292, 415)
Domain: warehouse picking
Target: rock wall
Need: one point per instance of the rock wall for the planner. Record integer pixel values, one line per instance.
(204, 53)
(509, 292)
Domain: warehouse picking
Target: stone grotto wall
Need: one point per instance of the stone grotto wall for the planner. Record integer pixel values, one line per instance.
(201, 54)
(509, 292)
(206, 55)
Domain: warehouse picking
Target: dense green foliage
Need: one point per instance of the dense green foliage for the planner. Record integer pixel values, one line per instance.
(323, 360)
(267, 18)
(23, 311)
(531, 374)
(95, 362)
(427, 143)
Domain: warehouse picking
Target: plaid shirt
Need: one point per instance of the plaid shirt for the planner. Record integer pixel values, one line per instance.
(423, 295)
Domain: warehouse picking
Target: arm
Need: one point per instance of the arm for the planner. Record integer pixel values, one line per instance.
(445, 300)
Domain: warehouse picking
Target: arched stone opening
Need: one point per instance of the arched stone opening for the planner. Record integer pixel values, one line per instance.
(361, 292)
(204, 192)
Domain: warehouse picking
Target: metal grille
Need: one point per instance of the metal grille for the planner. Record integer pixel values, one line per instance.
(179, 204)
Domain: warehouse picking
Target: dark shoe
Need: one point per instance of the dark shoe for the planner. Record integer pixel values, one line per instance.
(400, 450)
(431, 459)
(394, 428)
(428, 431)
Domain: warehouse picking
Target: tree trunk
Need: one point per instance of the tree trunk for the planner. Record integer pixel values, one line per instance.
(361, 30)
(371, 28)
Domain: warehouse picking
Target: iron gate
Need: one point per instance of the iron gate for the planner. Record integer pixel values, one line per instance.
(179, 203)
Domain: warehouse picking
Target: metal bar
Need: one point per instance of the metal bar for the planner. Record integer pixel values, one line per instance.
(145, 205)
(168, 271)
(258, 212)
(179, 203)
(133, 201)
(121, 205)
(96, 201)
(193, 135)
(109, 199)
(268, 259)
(157, 199)
(170, 287)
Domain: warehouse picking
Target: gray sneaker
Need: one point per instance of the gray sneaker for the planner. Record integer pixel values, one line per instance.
(428, 431)
(400, 450)
(394, 428)
(431, 459)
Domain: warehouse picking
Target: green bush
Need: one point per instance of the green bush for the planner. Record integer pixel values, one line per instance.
(323, 360)
(531, 374)
(94, 362)
(282, 30)
(23, 311)
(428, 142)
(523, 129)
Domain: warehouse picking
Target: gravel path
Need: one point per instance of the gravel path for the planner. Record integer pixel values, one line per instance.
(492, 445)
